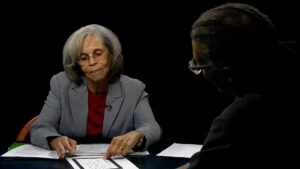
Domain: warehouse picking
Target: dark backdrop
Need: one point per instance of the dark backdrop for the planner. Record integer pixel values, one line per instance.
(156, 49)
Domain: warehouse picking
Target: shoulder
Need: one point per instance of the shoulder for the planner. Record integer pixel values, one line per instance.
(127, 81)
(60, 78)
(243, 105)
(249, 100)
(60, 75)
(131, 86)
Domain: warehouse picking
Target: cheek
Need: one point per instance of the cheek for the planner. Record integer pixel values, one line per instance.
(107, 68)
(210, 76)
(109, 63)
(106, 62)
(204, 72)
(83, 69)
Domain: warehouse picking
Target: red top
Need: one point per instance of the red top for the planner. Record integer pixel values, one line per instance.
(97, 104)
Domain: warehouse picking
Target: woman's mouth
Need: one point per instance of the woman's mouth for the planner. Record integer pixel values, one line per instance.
(95, 71)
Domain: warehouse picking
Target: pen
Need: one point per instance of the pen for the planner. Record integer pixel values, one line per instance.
(68, 154)
(117, 157)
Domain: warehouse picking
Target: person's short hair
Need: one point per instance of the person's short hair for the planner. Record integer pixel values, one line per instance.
(73, 46)
(236, 35)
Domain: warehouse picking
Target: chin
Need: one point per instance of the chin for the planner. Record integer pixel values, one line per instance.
(96, 78)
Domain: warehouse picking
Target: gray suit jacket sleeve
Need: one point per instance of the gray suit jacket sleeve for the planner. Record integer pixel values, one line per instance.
(47, 122)
(145, 121)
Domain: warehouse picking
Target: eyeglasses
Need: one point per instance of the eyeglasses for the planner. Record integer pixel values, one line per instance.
(197, 69)
(85, 59)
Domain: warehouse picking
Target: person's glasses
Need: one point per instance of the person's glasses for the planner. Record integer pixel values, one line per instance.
(197, 69)
(85, 59)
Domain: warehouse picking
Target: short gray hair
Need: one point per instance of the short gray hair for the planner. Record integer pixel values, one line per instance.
(73, 45)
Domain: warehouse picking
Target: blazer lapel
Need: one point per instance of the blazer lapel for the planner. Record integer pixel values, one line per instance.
(79, 108)
(113, 102)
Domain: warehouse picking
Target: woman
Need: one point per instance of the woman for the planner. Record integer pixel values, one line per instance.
(91, 100)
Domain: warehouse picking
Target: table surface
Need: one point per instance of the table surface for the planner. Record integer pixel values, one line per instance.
(145, 162)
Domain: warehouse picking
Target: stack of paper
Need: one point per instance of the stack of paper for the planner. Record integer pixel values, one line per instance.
(83, 150)
(28, 150)
(100, 150)
(181, 150)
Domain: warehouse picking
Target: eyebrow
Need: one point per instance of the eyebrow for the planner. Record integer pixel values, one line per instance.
(95, 50)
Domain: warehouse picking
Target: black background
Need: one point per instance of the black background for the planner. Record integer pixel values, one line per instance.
(156, 49)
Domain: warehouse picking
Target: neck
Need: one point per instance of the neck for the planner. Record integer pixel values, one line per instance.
(98, 87)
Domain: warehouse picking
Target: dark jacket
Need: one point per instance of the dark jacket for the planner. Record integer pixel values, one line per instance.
(254, 131)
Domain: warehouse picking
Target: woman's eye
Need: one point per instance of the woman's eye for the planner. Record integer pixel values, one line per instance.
(82, 57)
(98, 53)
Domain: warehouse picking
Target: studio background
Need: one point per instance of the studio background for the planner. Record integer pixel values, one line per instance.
(156, 49)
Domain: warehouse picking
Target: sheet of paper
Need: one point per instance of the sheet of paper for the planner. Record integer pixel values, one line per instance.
(91, 149)
(125, 163)
(180, 150)
(100, 149)
(86, 150)
(101, 164)
(29, 150)
(95, 163)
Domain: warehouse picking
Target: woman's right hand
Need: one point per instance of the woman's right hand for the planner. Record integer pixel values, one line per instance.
(62, 144)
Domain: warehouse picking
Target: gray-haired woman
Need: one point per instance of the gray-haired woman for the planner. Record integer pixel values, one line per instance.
(92, 100)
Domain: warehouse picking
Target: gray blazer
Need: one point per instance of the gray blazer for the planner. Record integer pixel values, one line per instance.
(65, 111)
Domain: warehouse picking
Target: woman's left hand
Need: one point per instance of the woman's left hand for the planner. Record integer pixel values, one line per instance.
(120, 145)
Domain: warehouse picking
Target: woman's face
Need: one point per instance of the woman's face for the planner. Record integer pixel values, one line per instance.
(95, 59)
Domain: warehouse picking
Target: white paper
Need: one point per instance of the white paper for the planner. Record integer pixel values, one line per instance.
(91, 149)
(101, 164)
(86, 156)
(138, 153)
(29, 150)
(125, 163)
(83, 150)
(181, 150)
(100, 149)
(96, 163)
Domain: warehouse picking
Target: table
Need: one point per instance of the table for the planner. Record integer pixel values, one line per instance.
(157, 162)
(143, 162)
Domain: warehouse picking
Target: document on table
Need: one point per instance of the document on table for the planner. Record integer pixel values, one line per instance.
(100, 149)
(28, 150)
(101, 164)
(83, 150)
(181, 150)
(91, 149)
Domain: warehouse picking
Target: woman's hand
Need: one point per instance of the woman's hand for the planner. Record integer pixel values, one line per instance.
(120, 145)
(63, 144)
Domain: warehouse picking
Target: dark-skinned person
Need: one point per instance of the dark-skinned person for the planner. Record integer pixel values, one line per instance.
(91, 101)
(237, 48)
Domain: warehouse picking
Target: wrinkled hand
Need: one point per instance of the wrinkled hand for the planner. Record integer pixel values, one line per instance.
(120, 145)
(62, 144)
